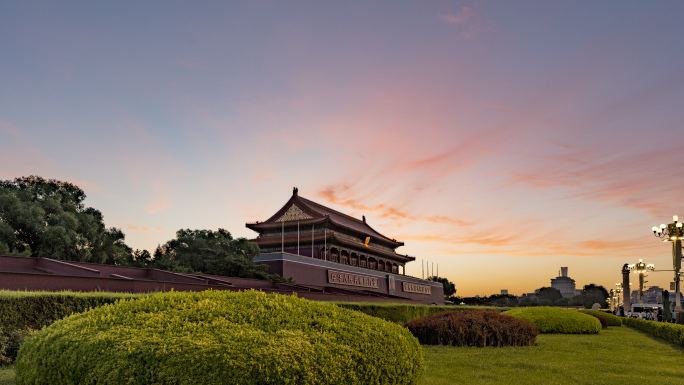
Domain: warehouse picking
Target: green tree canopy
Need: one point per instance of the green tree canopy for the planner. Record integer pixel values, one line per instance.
(210, 252)
(47, 218)
(449, 287)
(550, 294)
(503, 299)
(592, 294)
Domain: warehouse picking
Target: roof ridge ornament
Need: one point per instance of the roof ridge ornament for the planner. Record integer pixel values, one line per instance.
(295, 191)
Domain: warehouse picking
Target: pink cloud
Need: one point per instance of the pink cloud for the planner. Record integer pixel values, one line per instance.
(134, 228)
(464, 15)
(161, 198)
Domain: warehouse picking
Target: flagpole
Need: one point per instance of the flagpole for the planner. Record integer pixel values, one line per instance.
(313, 228)
(298, 238)
(282, 239)
(325, 245)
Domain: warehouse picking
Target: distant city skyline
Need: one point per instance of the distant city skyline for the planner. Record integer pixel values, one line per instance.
(498, 140)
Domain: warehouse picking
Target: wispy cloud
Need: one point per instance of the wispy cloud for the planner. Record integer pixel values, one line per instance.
(463, 16)
(161, 198)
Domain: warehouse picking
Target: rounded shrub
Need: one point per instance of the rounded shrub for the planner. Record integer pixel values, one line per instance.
(220, 337)
(612, 319)
(555, 320)
(473, 328)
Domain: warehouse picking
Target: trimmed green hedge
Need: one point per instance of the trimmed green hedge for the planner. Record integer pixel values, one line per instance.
(220, 337)
(672, 333)
(402, 313)
(24, 311)
(21, 309)
(555, 320)
(612, 319)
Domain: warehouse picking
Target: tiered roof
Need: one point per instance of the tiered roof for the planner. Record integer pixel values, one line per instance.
(308, 212)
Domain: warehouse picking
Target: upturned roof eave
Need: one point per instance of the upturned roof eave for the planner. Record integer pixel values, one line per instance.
(359, 246)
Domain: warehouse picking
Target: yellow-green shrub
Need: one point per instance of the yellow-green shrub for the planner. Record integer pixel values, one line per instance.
(219, 337)
(555, 320)
(612, 319)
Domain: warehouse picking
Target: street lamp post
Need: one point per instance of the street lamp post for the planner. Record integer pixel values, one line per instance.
(674, 233)
(617, 291)
(642, 269)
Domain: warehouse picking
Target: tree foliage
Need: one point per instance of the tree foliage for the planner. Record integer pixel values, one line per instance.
(592, 294)
(549, 294)
(449, 287)
(210, 252)
(47, 218)
(502, 299)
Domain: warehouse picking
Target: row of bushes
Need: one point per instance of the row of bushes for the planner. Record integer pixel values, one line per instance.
(672, 333)
(612, 319)
(478, 328)
(403, 313)
(220, 337)
(22, 311)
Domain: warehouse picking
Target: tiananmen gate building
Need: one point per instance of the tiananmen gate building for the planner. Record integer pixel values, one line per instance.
(318, 246)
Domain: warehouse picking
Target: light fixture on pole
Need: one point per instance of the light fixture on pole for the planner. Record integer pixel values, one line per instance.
(642, 269)
(611, 300)
(674, 233)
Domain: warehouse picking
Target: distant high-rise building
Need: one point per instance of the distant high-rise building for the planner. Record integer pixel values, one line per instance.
(653, 294)
(504, 292)
(563, 283)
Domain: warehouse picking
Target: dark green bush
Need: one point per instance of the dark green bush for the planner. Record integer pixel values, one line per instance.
(612, 319)
(473, 328)
(220, 337)
(403, 313)
(10, 342)
(555, 320)
(21, 312)
(672, 333)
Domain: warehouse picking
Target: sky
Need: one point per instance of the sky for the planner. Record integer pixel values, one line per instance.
(498, 140)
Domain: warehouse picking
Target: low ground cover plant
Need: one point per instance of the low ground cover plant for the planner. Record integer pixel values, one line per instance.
(220, 337)
(612, 319)
(473, 328)
(555, 320)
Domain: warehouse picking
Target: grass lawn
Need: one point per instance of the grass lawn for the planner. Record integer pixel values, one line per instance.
(618, 355)
(7, 376)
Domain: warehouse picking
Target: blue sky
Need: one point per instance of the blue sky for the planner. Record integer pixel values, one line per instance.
(501, 140)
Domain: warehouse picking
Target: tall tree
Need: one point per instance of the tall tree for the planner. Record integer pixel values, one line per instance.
(210, 252)
(592, 294)
(47, 218)
(550, 294)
